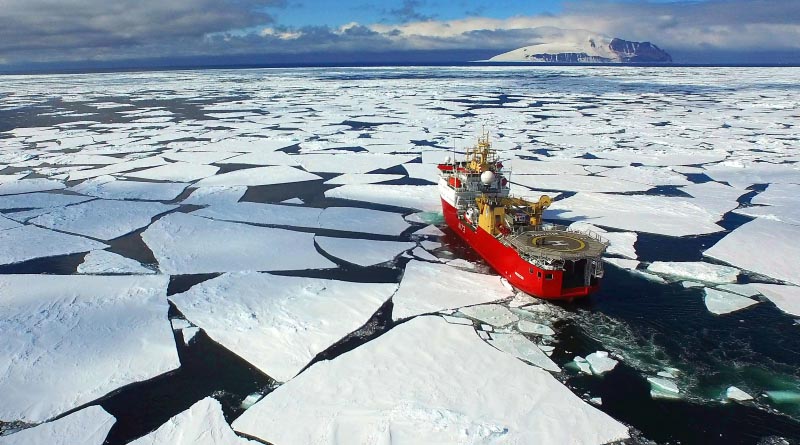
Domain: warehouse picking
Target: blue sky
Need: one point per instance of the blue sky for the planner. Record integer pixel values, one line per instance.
(268, 31)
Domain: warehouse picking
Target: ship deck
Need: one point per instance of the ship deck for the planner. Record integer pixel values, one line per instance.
(557, 244)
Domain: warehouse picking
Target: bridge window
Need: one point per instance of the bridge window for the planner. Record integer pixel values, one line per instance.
(539, 274)
(548, 276)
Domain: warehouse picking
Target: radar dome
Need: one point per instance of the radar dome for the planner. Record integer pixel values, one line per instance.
(487, 177)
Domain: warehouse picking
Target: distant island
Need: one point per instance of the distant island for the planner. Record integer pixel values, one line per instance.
(580, 46)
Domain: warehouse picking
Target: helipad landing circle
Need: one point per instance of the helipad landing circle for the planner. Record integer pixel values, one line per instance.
(558, 243)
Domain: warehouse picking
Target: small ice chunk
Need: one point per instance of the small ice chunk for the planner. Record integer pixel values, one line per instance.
(521, 299)
(695, 270)
(416, 378)
(596, 401)
(530, 327)
(494, 314)
(661, 388)
(189, 334)
(102, 219)
(202, 424)
(293, 201)
(23, 243)
(720, 302)
(186, 244)
(429, 230)
(282, 330)
(581, 365)
(431, 287)
(762, 246)
(734, 393)
(487, 328)
(105, 262)
(89, 426)
(430, 245)
(251, 400)
(423, 254)
(362, 252)
(179, 323)
(216, 195)
(484, 335)
(520, 347)
(786, 298)
(600, 362)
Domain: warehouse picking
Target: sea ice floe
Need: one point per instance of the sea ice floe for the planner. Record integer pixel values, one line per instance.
(29, 186)
(105, 262)
(262, 158)
(432, 287)
(189, 334)
(745, 174)
(734, 393)
(653, 214)
(39, 200)
(109, 187)
(494, 314)
(427, 172)
(779, 201)
(530, 327)
(279, 174)
(579, 183)
(520, 347)
(351, 219)
(580, 364)
(202, 424)
(89, 426)
(695, 270)
(216, 195)
(647, 175)
(622, 263)
(421, 197)
(786, 298)
(102, 219)
(423, 254)
(186, 244)
(429, 230)
(720, 302)
(415, 384)
(68, 340)
(128, 165)
(199, 157)
(456, 320)
(363, 252)
(176, 171)
(278, 323)
(600, 362)
(23, 243)
(350, 162)
(461, 263)
(6, 223)
(662, 388)
(356, 178)
(762, 246)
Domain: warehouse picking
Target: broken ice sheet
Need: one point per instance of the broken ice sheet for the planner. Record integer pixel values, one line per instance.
(89, 426)
(786, 298)
(415, 384)
(695, 270)
(432, 287)
(600, 362)
(494, 314)
(278, 174)
(68, 340)
(363, 252)
(520, 347)
(350, 162)
(39, 200)
(355, 178)
(102, 219)
(176, 172)
(105, 262)
(421, 197)
(216, 195)
(30, 185)
(762, 246)
(23, 243)
(278, 323)
(202, 424)
(579, 183)
(109, 187)
(186, 244)
(720, 302)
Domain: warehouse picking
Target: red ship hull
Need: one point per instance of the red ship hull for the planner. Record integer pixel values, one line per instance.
(542, 283)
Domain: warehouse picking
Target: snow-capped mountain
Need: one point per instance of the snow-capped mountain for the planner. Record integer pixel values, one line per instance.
(579, 46)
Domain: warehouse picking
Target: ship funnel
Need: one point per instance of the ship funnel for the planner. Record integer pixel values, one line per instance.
(487, 177)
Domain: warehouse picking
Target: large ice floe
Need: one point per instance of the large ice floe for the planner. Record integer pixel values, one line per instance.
(108, 263)
(278, 323)
(39, 200)
(102, 219)
(89, 426)
(418, 384)
(279, 174)
(642, 213)
(68, 340)
(763, 246)
(432, 287)
(20, 243)
(721, 302)
(420, 197)
(363, 252)
(695, 270)
(109, 187)
(186, 244)
(786, 298)
(202, 424)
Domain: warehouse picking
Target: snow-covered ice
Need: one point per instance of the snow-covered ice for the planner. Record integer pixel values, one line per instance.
(429, 230)
(109, 187)
(102, 219)
(105, 262)
(350, 162)
(431, 287)
(68, 340)
(695, 270)
(216, 195)
(600, 362)
(29, 185)
(89, 426)
(763, 246)
(423, 254)
(202, 424)
(186, 244)
(176, 172)
(495, 314)
(279, 174)
(720, 302)
(662, 388)
(23, 243)
(39, 200)
(622, 263)
(363, 252)
(786, 298)
(579, 183)
(352, 219)
(278, 323)
(420, 197)
(520, 347)
(734, 393)
(416, 384)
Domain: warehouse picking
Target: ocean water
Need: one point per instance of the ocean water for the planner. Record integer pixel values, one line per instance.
(565, 113)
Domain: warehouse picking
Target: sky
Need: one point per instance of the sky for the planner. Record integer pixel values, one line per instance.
(66, 33)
